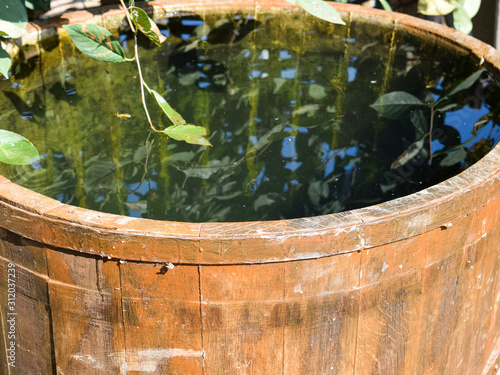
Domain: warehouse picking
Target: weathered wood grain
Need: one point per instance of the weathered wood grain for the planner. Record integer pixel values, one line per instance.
(323, 298)
(410, 286)
(244, 314)
(85, 314)
(161, 318)
(32, 322)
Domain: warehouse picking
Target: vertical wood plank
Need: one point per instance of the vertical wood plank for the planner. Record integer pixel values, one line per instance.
(483, 324)
(86, 314)
(391, 286)
(323, 295)
(446, 303)
(244, 315)
(33, 353)
(161, 317)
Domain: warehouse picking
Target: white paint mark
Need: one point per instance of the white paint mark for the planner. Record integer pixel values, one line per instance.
(87, 359)
(147, 360)
(401, 266)
(121, 358)
(385, 267)
(298, 289)
(124, 220)
(362, 242)
(239, 365)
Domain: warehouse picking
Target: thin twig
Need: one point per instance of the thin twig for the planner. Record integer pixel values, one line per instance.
(128, 18)
(149, 147)
(136, 57)
(142, 86)
(430, 134)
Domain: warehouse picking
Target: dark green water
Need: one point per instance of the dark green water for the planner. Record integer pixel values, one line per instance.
(286, 102)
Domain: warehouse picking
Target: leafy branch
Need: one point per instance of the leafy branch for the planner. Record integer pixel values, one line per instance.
(13, 20)
(319, 9)
(98, 43)
(14, 148)
(400, 104)
(463, 11)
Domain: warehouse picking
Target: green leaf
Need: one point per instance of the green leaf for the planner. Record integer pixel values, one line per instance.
(263, 201)
(96, 42)
(308, 109)
(396, 104)
(471, 7)
(172, 115)
(41, 5)
(320, 9)
(409, 154)
(317, 91)
(465, 84)
(385, 4)
(278, 82)
(461, 20)
(317, 190)
(482, 122)
(140, 207)
(276, 133)
(454, 157)
(464, 11)
(99, 175)
(5, 62)
(146, 25)
(189, 133)
(180, 130)
(13, 18)
(436, 7)
(200, 172)
(180, 157)
(15, 149)
(420, 122)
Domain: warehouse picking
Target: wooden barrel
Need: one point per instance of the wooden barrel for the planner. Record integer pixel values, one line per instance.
(409, 286)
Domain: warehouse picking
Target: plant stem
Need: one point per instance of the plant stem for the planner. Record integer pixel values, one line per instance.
(430, 134)
(142, 85)
(136, 57)
(128, 17)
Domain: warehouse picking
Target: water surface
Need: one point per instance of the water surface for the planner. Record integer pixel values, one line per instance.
(286, 102)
